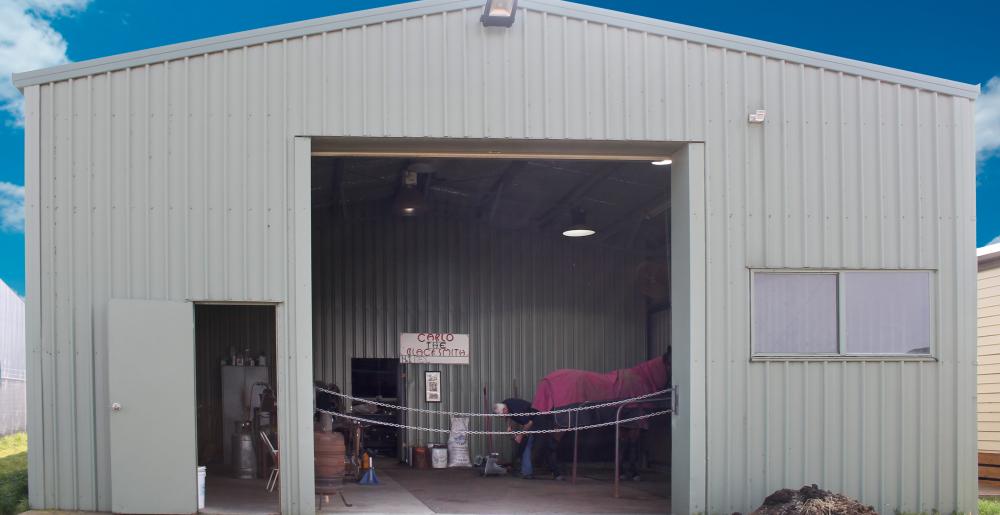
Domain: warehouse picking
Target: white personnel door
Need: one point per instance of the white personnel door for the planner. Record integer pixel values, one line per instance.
(152, 411)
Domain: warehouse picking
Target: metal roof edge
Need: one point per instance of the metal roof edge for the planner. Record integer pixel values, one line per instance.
(755, 46)
(237, 40)
(988, 252)
(557, 7)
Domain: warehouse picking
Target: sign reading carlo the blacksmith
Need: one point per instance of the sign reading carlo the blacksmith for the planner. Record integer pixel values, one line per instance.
(443, 348)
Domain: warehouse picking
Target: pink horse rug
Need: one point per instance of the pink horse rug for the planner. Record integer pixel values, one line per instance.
(568, 388)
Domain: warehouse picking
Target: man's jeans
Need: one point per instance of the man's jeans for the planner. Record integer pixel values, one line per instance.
(526, 468)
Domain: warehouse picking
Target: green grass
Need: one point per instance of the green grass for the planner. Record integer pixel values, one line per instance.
(13, 474)
(989, 507)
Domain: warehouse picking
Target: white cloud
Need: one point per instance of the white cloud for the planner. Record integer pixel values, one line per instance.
(11, 207)
(28, 42)
(988, 120)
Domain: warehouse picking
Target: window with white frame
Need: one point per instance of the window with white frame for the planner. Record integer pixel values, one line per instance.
(841, 313)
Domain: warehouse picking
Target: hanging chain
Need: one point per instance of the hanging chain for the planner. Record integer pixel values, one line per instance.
(461, 414)
(477, 432)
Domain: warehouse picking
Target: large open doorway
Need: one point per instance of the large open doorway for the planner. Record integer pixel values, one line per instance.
(236, 409)
(473, 246)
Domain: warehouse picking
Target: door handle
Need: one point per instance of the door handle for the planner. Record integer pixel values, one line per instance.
(116, 406)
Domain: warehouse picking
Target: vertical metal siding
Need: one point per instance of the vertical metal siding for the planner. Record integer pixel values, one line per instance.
(659, 332)
(531, 303)
(879, 179)
(172, 181)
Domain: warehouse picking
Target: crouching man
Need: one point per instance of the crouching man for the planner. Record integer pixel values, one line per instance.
(542, 446)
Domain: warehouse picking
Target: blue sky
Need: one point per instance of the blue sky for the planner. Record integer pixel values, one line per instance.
(956, 40)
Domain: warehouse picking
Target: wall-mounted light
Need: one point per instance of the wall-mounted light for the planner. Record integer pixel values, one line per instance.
(662, 162)
(499, 13)
(410, 200)
(578, 228)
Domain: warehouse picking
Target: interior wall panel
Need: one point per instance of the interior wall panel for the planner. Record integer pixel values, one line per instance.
(531, 304)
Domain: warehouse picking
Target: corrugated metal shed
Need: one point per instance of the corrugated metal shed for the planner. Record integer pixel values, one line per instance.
(169, 174)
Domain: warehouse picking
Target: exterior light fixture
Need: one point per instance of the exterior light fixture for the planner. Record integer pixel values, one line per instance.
(579, 227)
(409, 199)
(662, 162)
(499, 13)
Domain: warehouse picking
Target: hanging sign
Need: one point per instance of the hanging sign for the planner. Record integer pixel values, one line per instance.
(444, 348)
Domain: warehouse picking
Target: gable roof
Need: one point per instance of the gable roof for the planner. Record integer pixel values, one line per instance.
(556, 7)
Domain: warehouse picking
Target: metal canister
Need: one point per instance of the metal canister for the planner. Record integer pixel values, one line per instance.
(244, 457)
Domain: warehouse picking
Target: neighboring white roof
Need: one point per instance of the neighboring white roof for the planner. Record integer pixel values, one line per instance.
(557, 7)
(989, 251)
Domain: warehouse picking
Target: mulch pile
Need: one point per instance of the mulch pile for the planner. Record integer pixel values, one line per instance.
(811, 500)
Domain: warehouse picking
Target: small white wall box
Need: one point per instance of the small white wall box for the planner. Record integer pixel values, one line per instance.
(758, 116)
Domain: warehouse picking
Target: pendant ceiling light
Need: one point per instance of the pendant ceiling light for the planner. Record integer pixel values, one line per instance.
(578, 228)
(410, 200)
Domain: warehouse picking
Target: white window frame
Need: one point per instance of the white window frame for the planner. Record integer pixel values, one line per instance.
(841, 355)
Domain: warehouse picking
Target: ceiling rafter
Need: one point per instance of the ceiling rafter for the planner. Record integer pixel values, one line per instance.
(645, 211)
(577, 192)
(495, 192)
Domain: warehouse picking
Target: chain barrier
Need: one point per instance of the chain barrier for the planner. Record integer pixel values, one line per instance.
(478, 432)
(461, 414)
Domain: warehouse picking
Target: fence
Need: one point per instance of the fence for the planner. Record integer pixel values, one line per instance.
(13, 415)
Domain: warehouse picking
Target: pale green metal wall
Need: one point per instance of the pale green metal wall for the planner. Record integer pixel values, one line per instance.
(173, 178)
(847, 173)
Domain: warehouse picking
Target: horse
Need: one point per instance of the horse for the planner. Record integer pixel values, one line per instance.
(568, 388)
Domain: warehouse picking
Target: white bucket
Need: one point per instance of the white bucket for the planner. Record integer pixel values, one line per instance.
(201, 488)
(439, 457)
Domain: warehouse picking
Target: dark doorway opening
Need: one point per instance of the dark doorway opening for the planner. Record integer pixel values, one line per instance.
(237, 414)
(378, 379)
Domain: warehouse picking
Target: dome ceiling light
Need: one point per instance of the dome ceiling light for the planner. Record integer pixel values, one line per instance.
(578, 228)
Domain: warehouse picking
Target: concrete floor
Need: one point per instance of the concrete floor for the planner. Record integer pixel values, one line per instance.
(386, 497)
(455, 491)
(404, 490)
(228, 496)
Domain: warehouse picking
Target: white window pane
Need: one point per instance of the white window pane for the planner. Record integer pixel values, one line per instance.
(887, 312)
(795, 313)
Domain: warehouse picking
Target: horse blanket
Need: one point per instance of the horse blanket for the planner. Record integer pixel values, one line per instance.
(569, 387)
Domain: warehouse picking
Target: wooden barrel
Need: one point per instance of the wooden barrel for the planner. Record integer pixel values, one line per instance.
(329, 451)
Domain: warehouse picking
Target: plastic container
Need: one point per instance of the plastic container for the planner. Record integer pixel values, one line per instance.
(439, 456)
(201, 488)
